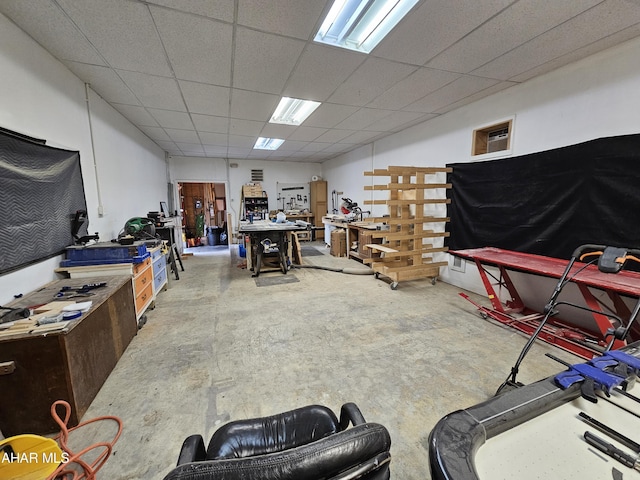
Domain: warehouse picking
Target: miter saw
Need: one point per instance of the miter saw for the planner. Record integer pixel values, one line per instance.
(351, 209)
(137, 228)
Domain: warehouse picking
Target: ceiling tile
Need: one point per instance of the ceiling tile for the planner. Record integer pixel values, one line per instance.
(395, 120)
(363, 118)
(320, 71)
(190, 148)
(415, 86)
(155, 133)
(171, 119)
(113, 31)
(219, 9)
(276, 130)
(582, 52)
(295, 18)
(434, 26)
(136, 115)
(461, 88)
(198, 48)
(476, 96)
(361, 137)
(328, 115)
(105, 81)
(245, 127)
(252, 105)
(241, 141)
(184, 136)
(591, 26)
(154, 92)
(52, 28)
(215, 151)
(514, 26)
(369, 81)
(205, 99)
(307, 134)
(209, 138)
(209, 123)
(333, 136)
(262, 61)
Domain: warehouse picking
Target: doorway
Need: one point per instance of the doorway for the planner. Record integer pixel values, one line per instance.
(203, 208)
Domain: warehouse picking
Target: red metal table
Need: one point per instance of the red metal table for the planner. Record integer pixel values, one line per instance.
(516, 314)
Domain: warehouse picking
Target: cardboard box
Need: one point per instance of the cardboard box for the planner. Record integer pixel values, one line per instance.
(252, 190)
(339, 243)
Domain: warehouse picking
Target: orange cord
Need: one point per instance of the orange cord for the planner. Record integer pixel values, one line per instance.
(86, 471)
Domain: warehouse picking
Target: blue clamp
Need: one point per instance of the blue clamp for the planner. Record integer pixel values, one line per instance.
(632, 363)
(592, 378)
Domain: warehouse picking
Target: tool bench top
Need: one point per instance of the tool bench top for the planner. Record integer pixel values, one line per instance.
(625, 282)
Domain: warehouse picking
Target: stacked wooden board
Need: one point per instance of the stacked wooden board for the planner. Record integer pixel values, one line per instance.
(415, 224)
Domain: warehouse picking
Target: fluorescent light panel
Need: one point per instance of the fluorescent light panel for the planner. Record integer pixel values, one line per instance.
(293, 111)
(268, 143)
(361, 24)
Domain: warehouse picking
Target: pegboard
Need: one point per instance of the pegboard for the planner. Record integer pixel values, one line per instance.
(293, 196)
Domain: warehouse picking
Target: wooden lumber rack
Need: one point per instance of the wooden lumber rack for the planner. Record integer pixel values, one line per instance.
(416, 226)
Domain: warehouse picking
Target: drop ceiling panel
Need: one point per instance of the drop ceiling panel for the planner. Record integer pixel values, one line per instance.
(459, 89)
(206, 99)
(190, 149)
(333, 136)
(320, 71)
(252, 105)
(210, 138)
(137, 115)
(219, 9)
(504, 32)
(154, 92)
(171, 119)
(52, 28)
(263, 62)
(295, 18)
(198, 48)
(104, 80)
(363, 118)
(370, 80)
(435, 25)
(595, 24)
(307, 134)
(184, 136)
(245, 127)
(395, 120)
(209, 123)
(155, 133)
(415, 86)
(276, 130)
(114, 27)
(328, 115)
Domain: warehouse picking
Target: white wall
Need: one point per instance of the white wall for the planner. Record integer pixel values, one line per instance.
(190, 169)
(40, 97)
(596, 97)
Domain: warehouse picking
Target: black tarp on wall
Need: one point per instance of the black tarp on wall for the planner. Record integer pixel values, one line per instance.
(40, 190)
(549, 203)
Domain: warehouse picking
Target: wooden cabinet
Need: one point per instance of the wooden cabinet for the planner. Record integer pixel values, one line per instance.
(319, 204)
(71, 364)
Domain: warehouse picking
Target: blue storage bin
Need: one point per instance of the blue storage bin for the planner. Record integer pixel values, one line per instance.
(105, 253)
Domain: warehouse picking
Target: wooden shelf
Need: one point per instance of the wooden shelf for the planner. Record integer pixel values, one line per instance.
(406, 248)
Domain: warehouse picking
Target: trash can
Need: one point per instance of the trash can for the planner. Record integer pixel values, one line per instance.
(212, 235)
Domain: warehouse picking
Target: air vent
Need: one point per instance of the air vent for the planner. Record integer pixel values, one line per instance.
(257, 175)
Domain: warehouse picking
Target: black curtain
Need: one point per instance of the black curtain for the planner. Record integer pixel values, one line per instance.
(40, 191)
(549, 203)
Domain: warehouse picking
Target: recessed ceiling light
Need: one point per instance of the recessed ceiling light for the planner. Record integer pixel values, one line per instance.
(268, 143)
(361, 24)
(293, 111)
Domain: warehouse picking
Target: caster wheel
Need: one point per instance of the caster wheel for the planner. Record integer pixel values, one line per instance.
(394, 285)
(376, 275)
(433, 281)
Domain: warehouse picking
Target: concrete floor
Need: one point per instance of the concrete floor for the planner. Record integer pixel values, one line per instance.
(217, 347)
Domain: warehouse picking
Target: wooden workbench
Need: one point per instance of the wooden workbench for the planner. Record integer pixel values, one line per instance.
(69, 364)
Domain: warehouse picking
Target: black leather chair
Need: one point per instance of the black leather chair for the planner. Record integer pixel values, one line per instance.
(308, 443)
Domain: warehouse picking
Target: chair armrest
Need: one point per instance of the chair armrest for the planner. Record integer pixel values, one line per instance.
(350, 413)
(192, 450)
